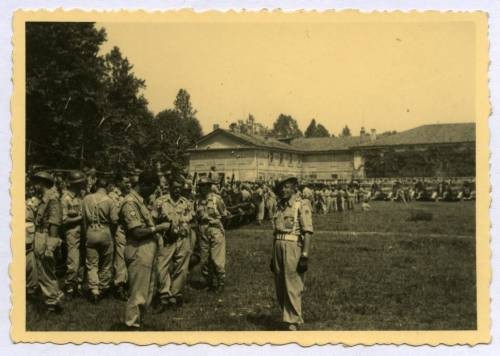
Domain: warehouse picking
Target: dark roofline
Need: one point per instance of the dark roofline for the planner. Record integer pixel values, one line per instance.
(241, 139)
(358, 147)
(373, 147)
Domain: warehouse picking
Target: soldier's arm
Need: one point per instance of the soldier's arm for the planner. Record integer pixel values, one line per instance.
(305, 219)
(136, 227)
(221, 206)
(54, 217)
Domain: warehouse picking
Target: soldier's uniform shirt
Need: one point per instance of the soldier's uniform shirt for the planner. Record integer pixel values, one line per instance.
(292, 218)
(139, 257)
(99, 212)
(48, 213)
(175, 248)
(72, 207)
(210, 212)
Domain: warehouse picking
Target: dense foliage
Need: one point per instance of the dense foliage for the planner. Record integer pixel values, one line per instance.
(85, 108)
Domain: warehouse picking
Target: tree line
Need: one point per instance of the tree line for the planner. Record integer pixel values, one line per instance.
(285, 126)
(86, 108)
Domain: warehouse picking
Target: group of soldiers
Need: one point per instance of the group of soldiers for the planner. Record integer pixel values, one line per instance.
(137, 236)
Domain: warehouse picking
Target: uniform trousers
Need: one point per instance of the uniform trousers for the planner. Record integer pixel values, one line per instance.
(74, 266)
(31, 272)
(119, 257)
(289, 283)
(173, 267)
(139, 257)
(99, 258)
(44, 249)
(261, 209)
(213, 254)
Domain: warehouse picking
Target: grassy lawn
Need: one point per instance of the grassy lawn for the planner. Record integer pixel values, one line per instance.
(399, 281)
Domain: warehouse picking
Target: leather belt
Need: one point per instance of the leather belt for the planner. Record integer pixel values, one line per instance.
(287, 237)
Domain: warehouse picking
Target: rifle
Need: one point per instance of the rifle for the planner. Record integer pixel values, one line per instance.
(221, 181)
(195, 181)
(232, 180)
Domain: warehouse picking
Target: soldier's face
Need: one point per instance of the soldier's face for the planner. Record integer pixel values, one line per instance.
(146, 190)
(175, 191)
(287, 190)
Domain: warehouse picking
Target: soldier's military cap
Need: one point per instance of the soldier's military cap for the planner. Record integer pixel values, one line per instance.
(176, 182)
(43, 175)
(291, 179)
(76, 177)
(205, 181)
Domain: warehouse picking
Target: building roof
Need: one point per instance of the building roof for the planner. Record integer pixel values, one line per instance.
(425, 134)
(428, 134)
(313, 144)
(253, 140)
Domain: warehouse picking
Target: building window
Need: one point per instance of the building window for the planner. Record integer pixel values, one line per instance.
(291, 158)
(271, 157)
(281, 158)
(335, 176)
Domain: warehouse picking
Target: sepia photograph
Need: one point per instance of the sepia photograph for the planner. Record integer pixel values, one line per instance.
(251, 172)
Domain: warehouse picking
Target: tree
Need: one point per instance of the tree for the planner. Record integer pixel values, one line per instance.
(174, 131)
(311, 129)
(172, 136)
(64, 90)
(286, 126)
(345, 132)
(121, 136)
(183, 104)
(321, 131)
(314, 130)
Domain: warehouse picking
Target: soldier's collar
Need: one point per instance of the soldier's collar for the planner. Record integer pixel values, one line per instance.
(293, 199)
(136, 196)
(48, 195)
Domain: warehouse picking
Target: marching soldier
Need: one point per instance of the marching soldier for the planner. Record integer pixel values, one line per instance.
(140, 251)
(175, 247)
(100, 217)
(293, 228)
(71, 203)
(48, 219)
(210, 210)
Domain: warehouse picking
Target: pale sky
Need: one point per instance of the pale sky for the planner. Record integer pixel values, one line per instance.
(387, 76)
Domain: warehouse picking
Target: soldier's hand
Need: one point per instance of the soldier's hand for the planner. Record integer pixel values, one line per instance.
(302, 265)
(163, 226)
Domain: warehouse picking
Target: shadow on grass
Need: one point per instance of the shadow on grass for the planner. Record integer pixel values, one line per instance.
(265, 322)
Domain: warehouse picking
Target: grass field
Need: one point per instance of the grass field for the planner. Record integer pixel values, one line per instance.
(393, 275)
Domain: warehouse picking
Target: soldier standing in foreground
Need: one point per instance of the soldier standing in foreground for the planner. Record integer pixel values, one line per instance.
(100, 217)
(71, 203)
(140, 251)
(293, 228)
(175, 247)
(210, 210)
(48, 219)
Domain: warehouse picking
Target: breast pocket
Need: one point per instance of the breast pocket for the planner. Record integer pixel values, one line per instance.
(288, 222)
